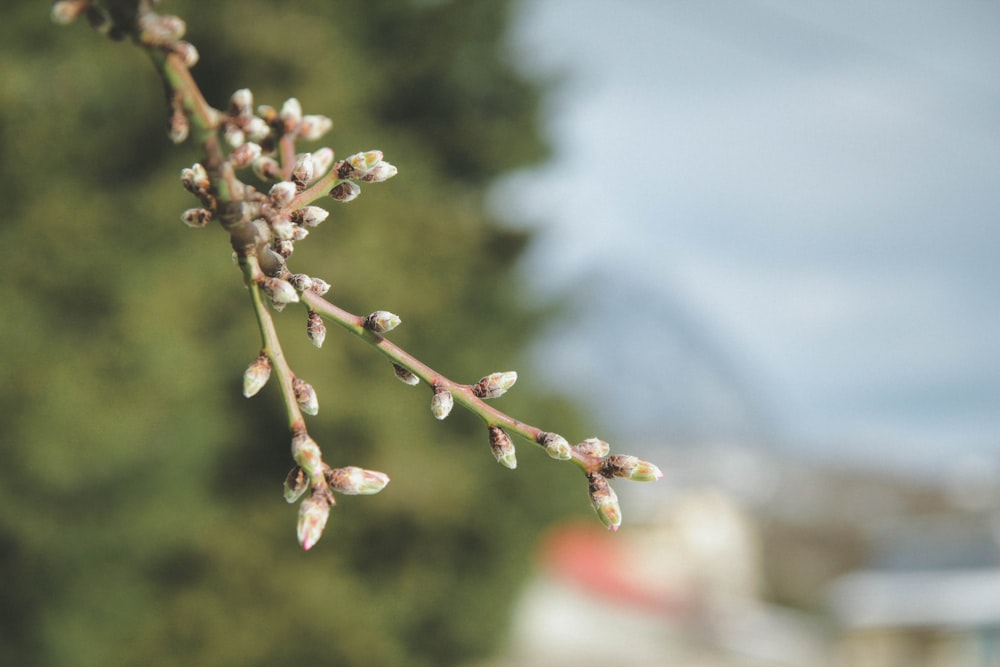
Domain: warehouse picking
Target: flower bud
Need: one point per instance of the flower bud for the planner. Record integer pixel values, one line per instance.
(362, 162)
(196, 217)
(267, 168)
(303, 171)
(256, 375)
(314, 126)
(319, 286)
(257, 129)
(442, 403)
(171, 28)
(354, 481)
(291, 114)
(179, 126)
(244, 154)
(405, 376)
(306, 453)
(322, 159)
(296, 483)
(283, 228)
(630, 467)
(313, 513)
(495, 384)
(502, 447)
(310, 216)
(555, 445)
(280, 291)
(282, 192)
(381, 321)
(316, 329)
(605, 501)
(66, 11)
(305, 396)
(382, 171)
(299, 232)
(593, 447)
(345, 191)
(188, 53)
(300, 281)
(241, 102)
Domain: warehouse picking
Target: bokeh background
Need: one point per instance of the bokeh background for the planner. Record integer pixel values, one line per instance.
(755, 242)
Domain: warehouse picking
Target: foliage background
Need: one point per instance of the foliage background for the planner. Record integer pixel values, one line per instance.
(141, 518)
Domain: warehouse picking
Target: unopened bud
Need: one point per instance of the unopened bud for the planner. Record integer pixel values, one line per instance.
(310, 216)
(405, 376)
(316, 329)
(355, 481)
(319, 286)
(291, 114)
(196, 217)
(306, 453)
(303, 171)
(362, 162)
(257, 129)
(267, 168)
(502, 447)
(382, 171)
(171, 28)
(313, 513)
(314, 126)
(300, 281)
(282, 192)
(630, 467)
(256, 375)
(555, 445)
(605, 501)
(593, 447)
(299, 232)
(67, 11)
(381, 321)
(188, 53)
(322, 159)
(442, 403)
(195, 179)
(345, 191)
(305, 396)
(283, 228)
(241, 102)
(179, 127)
(280, 291)
(296, 483)
(495, 384)
(244, 154)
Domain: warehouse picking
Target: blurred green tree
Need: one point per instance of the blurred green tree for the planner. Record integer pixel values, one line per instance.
(141, 518)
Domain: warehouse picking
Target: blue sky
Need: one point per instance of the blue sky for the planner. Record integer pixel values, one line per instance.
(778, 222)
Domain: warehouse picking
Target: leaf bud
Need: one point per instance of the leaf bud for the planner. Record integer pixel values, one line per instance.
(495, 384)
(282, 192)
(244, 154)
(267, 168)
(196, 217)
(316, 328)
(381, 321)
(605, 501)
(313, 514)
(306, 453)
(555, 445)
(405, 376)
(442, 403)
(630, 467)
(256, 375)
(314, 126)
(280, 291)
(355, 481)
(502, 447)
(345, 191)
(305, 396)
(593, 447)
(310, 216)
(296, 483)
